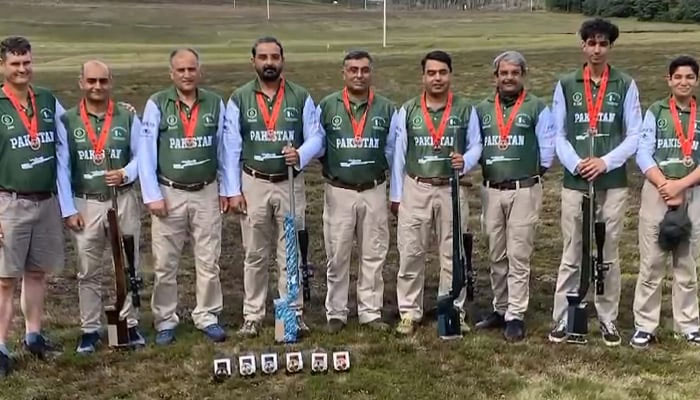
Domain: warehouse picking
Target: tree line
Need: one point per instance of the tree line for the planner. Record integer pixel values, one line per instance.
(644, 10)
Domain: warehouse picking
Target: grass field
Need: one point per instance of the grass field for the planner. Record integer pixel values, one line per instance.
(136, 38)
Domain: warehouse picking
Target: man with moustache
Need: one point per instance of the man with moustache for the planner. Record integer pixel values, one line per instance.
(434, 130)
(270, 119)
(183, 151)
(518, 148)
(596, 100)
(668, 156)
(96, 129)
(31, 233)
(359, 126)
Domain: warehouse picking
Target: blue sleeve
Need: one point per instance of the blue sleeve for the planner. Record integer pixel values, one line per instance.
(232, 131)
(633, 126)
(398, 171)
(63, 181)
(647, 142)
(132, 168)
(148, 154)
(565, 151)
(225, 159)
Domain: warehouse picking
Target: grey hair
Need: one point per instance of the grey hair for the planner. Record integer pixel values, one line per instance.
(179, 50)
(512, 57)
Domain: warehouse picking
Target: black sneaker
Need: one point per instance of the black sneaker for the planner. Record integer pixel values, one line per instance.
(610, 335)
(641, 339)
(41, 348)
(335, 325)
(5, 365)
(492, 321)
(88, 343)
(515, 330)
(136, 339)
(558, 334)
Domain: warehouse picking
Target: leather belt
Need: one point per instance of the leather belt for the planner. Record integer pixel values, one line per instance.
(188, 187)
(360, 187)
(35, 196)
(273, 178)
(513, 184)
(103, 196)
(435, 181)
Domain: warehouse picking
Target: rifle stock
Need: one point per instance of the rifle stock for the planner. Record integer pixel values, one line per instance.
(117, 330)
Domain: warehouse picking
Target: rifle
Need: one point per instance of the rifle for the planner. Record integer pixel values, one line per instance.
(305, 273)
(449, 315)
(122, 253)
(593, 268)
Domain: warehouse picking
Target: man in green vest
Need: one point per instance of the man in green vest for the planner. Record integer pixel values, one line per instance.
(31, 232)
(437, 133)
(269, 119)
(518, 142)
(97, 129)
(601, 103)
(360, 133)
(182, 153)
(668, 156)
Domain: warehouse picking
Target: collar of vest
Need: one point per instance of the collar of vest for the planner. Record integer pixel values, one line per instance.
(509, 102)
(4, 96)
(117, 111)
(614, 75)
(339, 97)
(172, 95)
(664, 104)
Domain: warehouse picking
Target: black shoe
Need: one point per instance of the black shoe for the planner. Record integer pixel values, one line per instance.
(41, 348)
(493, 321)
(558, 334)
(136, 339)
(611, 337)
(515, 330)
(5, 365)
(335, 325)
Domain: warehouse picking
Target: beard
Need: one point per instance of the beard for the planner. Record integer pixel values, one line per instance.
(269, 73)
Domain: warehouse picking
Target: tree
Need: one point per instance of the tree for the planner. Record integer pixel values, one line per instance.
(647, 10)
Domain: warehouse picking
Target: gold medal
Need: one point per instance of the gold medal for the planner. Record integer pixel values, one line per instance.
(99, 157)
(688, 161)
(35, 143)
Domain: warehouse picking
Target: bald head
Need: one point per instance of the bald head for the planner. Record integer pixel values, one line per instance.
(96, 81)
(95, 67)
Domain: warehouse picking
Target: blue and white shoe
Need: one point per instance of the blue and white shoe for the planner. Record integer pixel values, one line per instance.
(88, 343)
(215, 332)
(165, 337)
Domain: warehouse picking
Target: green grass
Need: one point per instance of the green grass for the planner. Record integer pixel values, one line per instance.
(136, 38)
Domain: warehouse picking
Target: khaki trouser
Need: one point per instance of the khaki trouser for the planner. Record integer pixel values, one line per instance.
(193, 215)
(610, 208)
(509, 220)
(348, 214)
(90, 245)
(267, 203)
(652, 266)
(423, 208)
